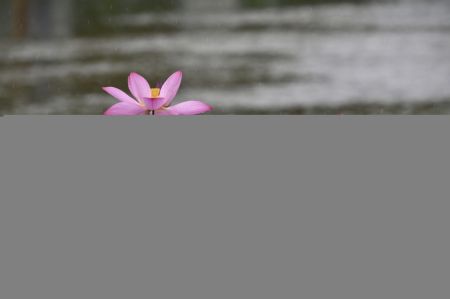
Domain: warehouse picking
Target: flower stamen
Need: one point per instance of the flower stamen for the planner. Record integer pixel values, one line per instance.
(155, 92)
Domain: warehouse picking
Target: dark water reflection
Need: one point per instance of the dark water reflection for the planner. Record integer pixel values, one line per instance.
(250, 56)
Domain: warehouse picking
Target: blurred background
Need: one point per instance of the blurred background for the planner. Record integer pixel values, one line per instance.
(240, 56)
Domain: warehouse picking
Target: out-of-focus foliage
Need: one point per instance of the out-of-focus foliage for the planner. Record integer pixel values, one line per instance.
(92, 14)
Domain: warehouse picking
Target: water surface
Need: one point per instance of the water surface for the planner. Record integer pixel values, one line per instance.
(369, 57)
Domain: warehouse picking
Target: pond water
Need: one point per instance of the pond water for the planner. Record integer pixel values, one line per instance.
(240, 56)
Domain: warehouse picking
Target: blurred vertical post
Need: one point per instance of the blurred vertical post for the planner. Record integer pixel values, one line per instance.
(61, 15)
(50, 18)
(19, 18)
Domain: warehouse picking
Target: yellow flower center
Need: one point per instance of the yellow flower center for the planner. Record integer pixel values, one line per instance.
(155, 92)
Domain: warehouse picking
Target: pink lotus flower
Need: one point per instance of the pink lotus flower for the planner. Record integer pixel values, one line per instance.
(152, 101)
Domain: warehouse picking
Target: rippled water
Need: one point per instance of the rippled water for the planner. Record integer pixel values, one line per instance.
(383, 56)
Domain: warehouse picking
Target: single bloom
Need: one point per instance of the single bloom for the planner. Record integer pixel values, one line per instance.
(153, 101)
